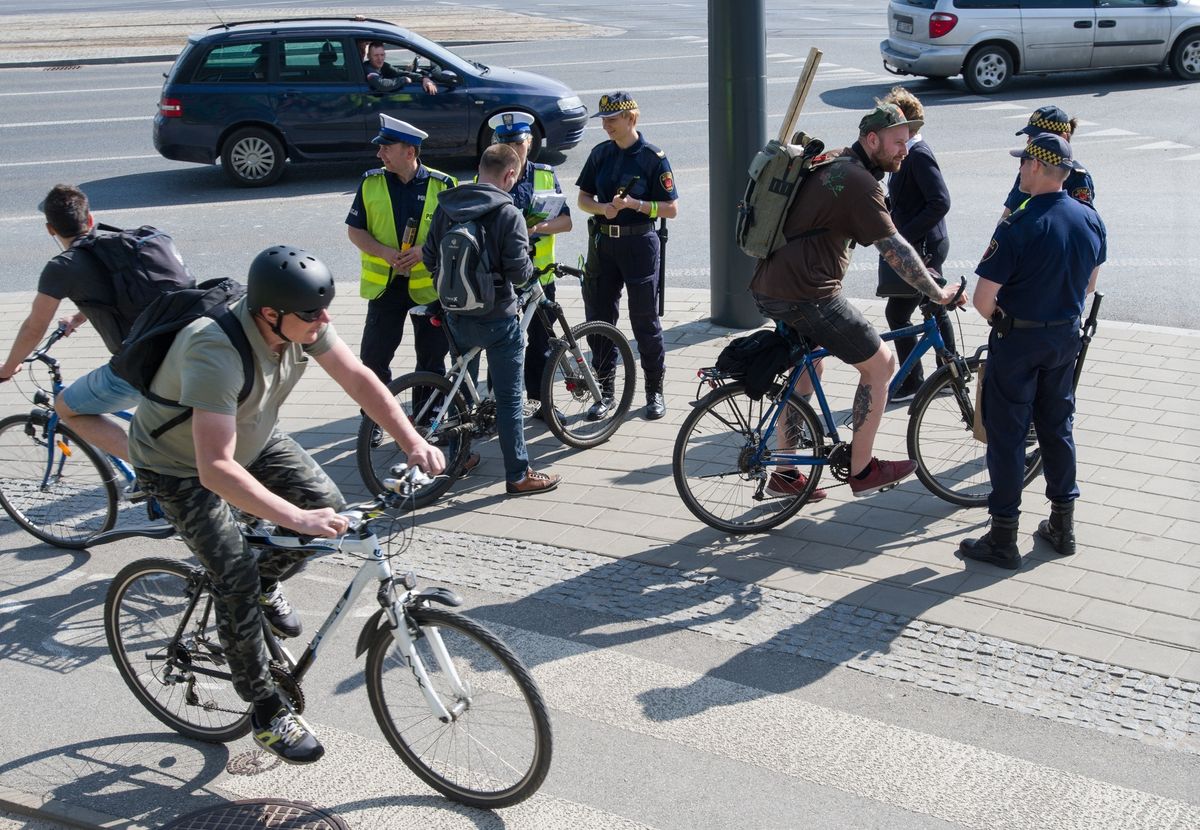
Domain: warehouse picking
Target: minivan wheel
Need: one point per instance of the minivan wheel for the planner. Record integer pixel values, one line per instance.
(253, 157)
(1185, 57)
(988, 69)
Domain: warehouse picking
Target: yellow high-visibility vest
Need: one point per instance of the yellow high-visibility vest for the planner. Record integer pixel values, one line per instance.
(381, 224)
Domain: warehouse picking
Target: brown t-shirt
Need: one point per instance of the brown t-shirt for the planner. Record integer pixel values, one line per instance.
(847, 200)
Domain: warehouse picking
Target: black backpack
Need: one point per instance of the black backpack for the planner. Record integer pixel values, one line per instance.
(154, 331)
(143, 263)
(466, 283)
(757, 359)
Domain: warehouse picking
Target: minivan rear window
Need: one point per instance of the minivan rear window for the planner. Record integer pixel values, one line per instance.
(920, 4)
(988, 4)
(234, 63)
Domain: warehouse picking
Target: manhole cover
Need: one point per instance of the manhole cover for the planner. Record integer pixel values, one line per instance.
(252, 763)
(260, 814)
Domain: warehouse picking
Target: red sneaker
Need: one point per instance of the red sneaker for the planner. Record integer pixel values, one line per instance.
(882, 475)
(791, 483)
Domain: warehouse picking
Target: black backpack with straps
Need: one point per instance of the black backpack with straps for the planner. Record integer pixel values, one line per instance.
(154, 331)
(143, 263)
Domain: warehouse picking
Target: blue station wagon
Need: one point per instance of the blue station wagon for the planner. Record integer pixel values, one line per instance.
(258, 93)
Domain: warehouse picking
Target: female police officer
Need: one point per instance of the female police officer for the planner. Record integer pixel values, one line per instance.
(625, 185)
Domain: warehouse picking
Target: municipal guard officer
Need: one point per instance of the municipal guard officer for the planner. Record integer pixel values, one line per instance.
(626, 184)
(388, 223)
(1035, 275)
(537, 194)
(1050, 120)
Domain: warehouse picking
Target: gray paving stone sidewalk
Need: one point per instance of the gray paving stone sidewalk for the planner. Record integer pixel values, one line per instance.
(1130, 598)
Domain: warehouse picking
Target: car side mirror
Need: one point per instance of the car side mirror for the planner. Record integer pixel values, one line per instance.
(445, 76)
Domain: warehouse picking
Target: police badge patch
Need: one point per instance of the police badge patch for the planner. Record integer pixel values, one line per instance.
(667, 181)
(991, 249)
(1083, 194)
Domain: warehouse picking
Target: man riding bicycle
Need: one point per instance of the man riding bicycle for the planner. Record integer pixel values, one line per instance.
(229, 454)
(840, 204)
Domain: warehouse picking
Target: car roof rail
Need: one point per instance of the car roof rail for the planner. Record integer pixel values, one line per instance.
(355, 19)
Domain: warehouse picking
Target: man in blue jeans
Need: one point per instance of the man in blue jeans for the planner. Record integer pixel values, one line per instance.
(498, 331)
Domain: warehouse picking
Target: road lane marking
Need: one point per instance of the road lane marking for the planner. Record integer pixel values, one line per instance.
(76, 161)
(75, 122)
(76, 91)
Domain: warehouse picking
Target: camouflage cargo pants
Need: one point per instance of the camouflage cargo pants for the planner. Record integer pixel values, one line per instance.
(207, 526)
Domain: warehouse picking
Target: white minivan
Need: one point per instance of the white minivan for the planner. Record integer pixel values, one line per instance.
(990, 41)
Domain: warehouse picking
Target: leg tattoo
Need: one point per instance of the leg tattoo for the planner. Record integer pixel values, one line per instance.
(862, 406)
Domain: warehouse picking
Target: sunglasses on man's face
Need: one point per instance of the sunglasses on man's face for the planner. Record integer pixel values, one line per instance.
(309, 316)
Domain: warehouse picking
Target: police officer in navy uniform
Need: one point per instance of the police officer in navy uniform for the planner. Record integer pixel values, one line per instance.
(1050, 120)
(626, 184)
(393, 201)
(536, 181)
(1035, 275)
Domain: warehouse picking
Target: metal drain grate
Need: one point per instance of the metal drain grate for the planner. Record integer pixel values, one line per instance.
(260, 814)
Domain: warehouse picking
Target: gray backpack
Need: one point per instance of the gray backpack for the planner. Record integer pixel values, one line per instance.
(776, 174)
(466, 282)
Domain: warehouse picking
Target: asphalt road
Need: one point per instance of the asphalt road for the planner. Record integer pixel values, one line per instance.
(91, 125)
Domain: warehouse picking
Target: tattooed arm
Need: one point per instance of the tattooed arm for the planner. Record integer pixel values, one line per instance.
(903, 259)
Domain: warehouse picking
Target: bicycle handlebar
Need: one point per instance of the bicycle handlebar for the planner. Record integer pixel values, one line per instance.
(559, 270)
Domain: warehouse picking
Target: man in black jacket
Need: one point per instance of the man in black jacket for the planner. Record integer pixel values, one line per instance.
(499, 330)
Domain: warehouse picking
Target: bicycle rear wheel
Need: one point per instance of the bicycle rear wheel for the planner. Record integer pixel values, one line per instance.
(495, 751)
(65, 495)
(422, 396)
(161, 630)
(604, 353)
(713, 460)
(951, 462)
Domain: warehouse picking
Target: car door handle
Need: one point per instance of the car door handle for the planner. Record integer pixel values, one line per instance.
(1107, 24)
(1083, 24)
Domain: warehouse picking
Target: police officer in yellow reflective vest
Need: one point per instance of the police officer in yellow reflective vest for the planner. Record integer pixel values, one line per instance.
(387, 223)
(537, 194)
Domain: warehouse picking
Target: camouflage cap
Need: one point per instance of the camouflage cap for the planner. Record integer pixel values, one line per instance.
(884, 116)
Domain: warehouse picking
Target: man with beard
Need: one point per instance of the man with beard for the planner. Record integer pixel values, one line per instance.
(841, 204)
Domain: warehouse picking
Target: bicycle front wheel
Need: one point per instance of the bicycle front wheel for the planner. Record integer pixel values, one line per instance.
(495, 751)
(161, 629)
(951, 462)
(423, 396)
(63, 494)
(574, 413)
(714, 464)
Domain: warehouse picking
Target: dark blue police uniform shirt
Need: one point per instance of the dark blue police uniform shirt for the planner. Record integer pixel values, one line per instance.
(1043, 257)
(1079, 186)
(408, 200)
(608, 167)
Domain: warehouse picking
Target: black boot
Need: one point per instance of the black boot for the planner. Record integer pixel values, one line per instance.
(1059, 529)
(656, 404)
(998, 547)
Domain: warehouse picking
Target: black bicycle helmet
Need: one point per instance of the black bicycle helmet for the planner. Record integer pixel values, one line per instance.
(288, 279)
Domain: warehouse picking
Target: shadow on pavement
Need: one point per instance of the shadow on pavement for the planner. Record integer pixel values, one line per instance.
(150, 778)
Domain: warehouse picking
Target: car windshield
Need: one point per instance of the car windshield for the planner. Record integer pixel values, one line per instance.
(441, 54)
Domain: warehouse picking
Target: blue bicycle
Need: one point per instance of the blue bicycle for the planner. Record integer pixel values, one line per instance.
(730, 444)
(56, 485)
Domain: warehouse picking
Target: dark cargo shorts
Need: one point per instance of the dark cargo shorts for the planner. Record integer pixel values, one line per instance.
(832, 323)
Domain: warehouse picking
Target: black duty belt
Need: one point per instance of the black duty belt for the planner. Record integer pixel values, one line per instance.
(615, 231)
(1040, 324)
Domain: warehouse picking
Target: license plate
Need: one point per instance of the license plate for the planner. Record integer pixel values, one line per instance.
(904, 27)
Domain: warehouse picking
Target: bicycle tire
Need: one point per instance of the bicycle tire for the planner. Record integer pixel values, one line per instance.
(446, 755)
(566, 397)
(951, 463)
(146, 606)
(710, 461)
(80, 500)
(375, 462)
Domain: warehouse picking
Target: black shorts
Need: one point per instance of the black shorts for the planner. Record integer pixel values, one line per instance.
(832, 323)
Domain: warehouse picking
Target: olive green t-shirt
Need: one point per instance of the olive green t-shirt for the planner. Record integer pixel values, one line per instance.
(848, 201)
(204, 371)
